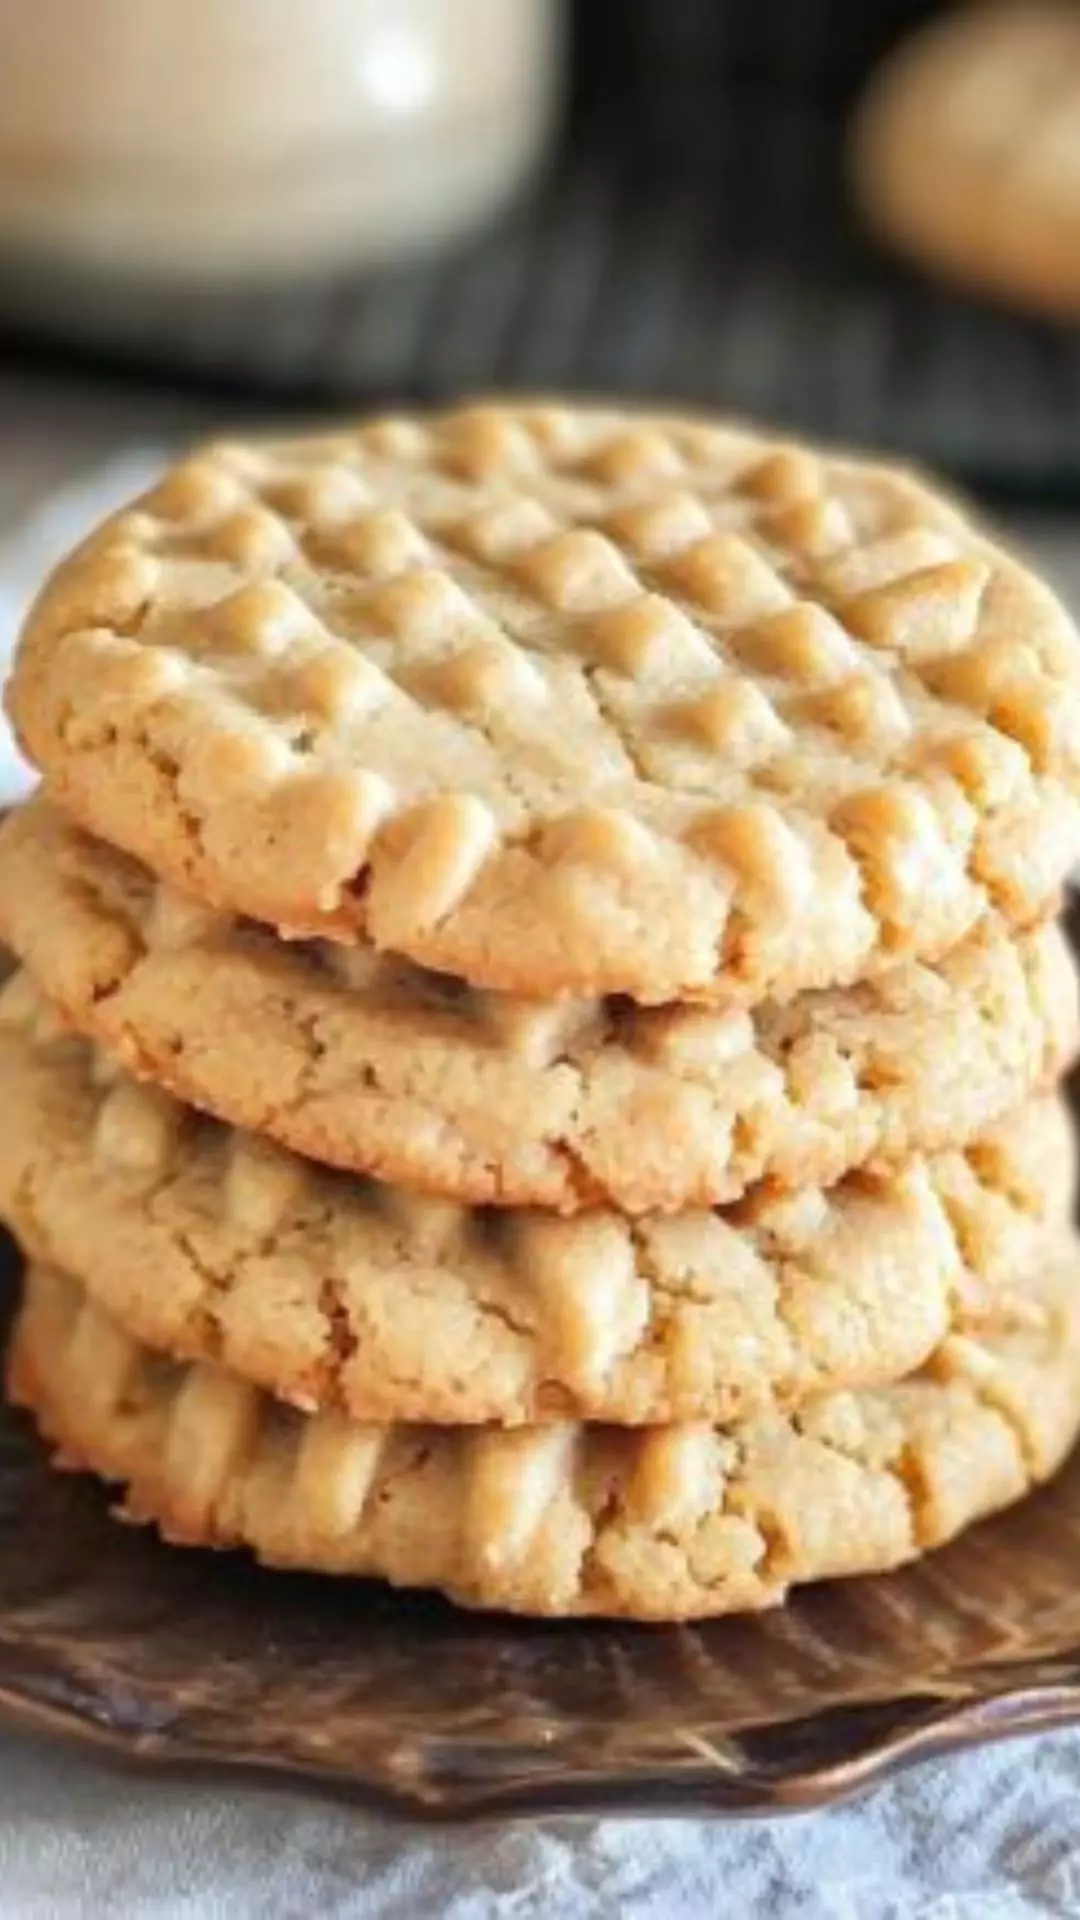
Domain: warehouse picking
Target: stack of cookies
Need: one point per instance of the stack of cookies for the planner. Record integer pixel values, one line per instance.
(533, 1067)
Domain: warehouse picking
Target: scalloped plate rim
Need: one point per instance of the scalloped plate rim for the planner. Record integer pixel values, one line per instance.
(948, 1726)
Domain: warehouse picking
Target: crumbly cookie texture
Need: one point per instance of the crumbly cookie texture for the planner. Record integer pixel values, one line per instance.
(565, 700)
(330, 1291)
(964, 151)
(377, 1066)
(665, 1523)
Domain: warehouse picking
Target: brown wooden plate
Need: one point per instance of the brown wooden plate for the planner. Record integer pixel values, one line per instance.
(194, 1658)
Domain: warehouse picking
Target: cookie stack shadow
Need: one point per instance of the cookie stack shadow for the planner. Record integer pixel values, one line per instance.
(532, 1070)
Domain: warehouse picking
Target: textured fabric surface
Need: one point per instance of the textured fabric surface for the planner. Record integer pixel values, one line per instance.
(993, 1836)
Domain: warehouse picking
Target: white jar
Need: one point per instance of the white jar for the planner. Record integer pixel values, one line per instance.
(224, 142)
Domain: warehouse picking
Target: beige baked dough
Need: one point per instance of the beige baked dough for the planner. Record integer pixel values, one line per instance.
(966, 152)
(332, 1291)
(565, 700)
(380, 1067)
(666, 1523)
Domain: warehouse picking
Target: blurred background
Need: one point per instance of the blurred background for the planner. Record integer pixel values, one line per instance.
(219, 215)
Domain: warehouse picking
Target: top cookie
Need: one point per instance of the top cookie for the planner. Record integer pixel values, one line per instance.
(566, 701)
(964, 151)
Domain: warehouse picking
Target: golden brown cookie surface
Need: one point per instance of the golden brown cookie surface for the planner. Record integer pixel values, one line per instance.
(662, 1524)
(965, 152)
(567, 701)
(332, 1291)
(377, 1066)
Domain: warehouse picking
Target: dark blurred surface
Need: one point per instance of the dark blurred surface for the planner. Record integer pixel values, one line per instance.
(693, 240)
(670, 66)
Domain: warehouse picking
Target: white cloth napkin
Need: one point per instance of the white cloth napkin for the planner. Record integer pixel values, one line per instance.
(984, 1836)
(993, 1835)
(27, 555)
